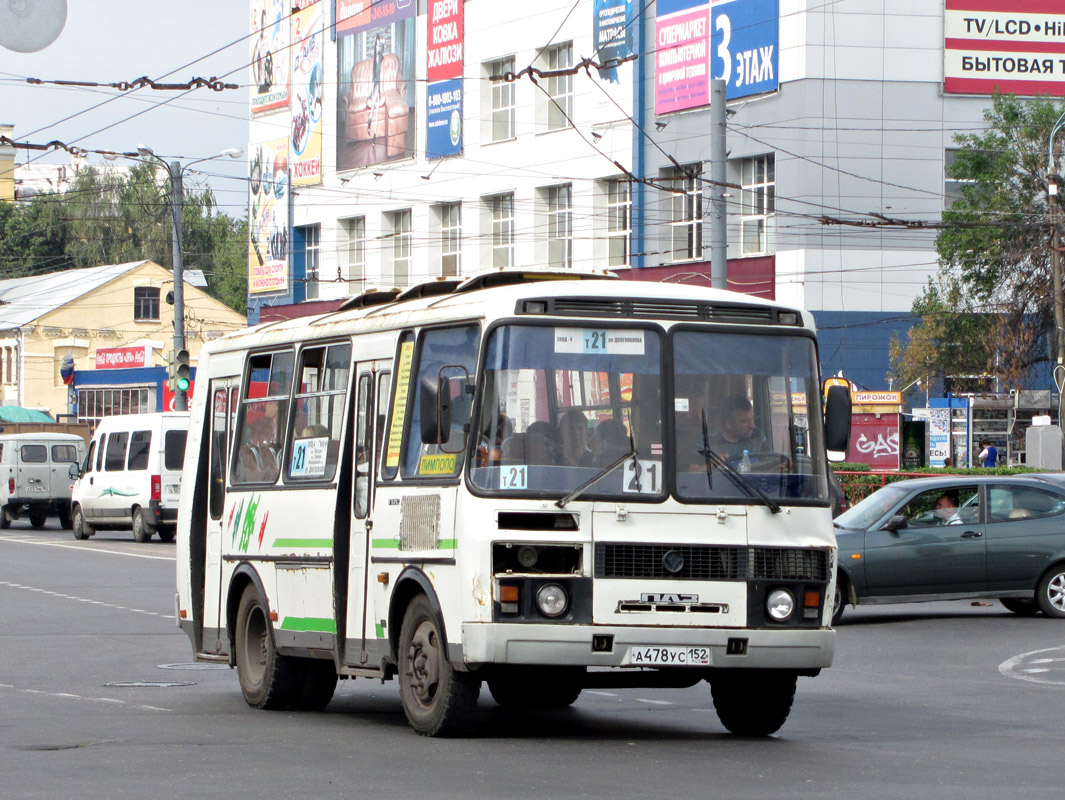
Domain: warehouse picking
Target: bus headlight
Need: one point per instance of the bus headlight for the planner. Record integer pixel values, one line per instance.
(552, 600)
(780, 605)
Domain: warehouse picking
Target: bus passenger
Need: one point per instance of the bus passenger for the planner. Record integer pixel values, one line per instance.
(575, 452)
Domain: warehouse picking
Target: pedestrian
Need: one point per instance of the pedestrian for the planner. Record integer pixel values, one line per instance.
(989, 455)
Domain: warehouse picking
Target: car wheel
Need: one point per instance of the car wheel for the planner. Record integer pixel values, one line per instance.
(82, 530)
(166, 534)
(752, 702)
(1020, 605)
(142, 531)
(267, 678)
(437, 700)
(37, 519)
(64, 519)
(1051, 592)
(5, 518)
(839, 599)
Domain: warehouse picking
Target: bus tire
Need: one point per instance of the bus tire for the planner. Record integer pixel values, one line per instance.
(142, 531)
(317, 683)
(752, 702)
(531, 688)
(82, 530)
(267, 679)
(437, 700)
(65, 519)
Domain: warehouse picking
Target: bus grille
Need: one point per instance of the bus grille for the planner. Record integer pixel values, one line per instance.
(626, 308)
(700, 562)
(711, 562)
(788, 564)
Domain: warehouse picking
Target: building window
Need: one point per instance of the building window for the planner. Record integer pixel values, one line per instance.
(502, 206)
(619, 222)
(502, 100)
(146, 303)
(449, 217)
(757, 197)
(952, 187)
(353, 251)
(559, 225)
(559, 87)
(312, 249)
(398, 230)
(95, 404)
(686, 212)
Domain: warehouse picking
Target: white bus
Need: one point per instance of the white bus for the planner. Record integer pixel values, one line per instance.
(537, 484)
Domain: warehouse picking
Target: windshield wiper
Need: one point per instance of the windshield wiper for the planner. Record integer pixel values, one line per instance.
(597, 477)
(743, 483)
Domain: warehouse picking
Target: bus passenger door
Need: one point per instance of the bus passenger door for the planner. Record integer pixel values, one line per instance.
(223, 394)
(370, 400)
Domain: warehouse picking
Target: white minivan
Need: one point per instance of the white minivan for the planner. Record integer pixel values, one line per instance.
(34, 476)
(131, 476)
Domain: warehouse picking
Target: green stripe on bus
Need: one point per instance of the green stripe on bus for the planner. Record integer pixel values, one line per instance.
(380, 630)
(318, 624)
(306, 543)
(447, 544)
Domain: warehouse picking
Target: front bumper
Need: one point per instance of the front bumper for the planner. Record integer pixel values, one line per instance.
(571, 645)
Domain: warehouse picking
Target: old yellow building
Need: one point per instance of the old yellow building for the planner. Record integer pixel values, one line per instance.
(102, 317)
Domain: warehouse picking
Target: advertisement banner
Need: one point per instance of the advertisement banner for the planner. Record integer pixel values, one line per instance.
(269, 55)
(874, 440)
(612, 29)
(268, 216)
(695, 41)
(122, 357)
(1013, 46)
(308, 40)
(443, 98)
(375, 81)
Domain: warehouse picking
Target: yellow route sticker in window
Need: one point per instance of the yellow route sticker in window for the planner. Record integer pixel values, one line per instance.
(442, 464)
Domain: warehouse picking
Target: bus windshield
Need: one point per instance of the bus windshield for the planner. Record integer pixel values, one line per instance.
(562, 404)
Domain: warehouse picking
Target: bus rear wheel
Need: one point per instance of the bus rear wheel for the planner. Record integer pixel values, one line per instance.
(267, 678)
(752, 702)
(437, 700)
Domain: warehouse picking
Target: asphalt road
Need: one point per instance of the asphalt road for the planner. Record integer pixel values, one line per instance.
(99, 699)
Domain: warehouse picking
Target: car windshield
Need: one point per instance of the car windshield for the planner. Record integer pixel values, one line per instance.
(561, 404)
(865, 514)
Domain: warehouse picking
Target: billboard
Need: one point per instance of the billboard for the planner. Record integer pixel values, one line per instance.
(1015, 46)
(613, 33)
(308, 41)
(375, 81)
(269, 55)
(736, 41)
(268, 217)
(874, 440)
(443, 99)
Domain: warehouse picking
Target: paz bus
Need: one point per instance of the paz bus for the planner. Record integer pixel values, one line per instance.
(523, 481)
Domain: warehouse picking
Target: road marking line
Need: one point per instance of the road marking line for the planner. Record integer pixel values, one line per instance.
(86, 549)
(603, 694)
(654, 702)
(1018, 667)
(85, 600)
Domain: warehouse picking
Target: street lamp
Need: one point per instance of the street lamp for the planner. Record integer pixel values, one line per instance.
(174, 170)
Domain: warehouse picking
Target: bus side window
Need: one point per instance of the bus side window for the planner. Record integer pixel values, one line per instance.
(217, 489)
(261, 418)
(318, 413)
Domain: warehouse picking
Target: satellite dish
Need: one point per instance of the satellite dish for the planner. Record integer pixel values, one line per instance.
(27, 26)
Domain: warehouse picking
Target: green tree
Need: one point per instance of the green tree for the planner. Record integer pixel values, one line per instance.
(990, 309)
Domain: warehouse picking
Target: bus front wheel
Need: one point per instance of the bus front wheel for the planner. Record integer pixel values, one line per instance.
(437, 700)
(752, 702)
(267, 678)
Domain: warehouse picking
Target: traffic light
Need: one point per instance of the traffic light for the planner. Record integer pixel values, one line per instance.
(182, 370)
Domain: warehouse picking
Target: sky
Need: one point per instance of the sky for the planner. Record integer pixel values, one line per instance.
(121, 40)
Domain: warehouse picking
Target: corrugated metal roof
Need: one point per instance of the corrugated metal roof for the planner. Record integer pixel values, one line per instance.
(22, 300)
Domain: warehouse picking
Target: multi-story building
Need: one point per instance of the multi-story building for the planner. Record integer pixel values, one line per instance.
(410, 139)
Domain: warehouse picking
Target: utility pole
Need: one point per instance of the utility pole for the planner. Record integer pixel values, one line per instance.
(718, 177)
(181, 400)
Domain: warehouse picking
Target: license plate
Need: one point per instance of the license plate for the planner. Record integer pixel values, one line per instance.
(669, 656)
(173, 489)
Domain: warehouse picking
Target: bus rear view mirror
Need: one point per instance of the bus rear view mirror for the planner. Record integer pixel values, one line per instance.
(435, 409)
(837, 418)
